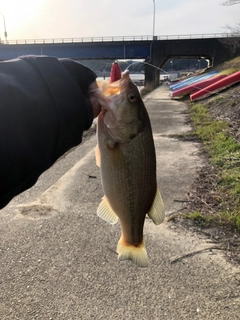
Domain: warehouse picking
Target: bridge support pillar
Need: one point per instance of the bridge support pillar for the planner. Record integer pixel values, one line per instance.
(152, 73)
(152, 76)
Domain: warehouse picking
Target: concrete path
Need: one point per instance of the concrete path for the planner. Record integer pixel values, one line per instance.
(58, 260)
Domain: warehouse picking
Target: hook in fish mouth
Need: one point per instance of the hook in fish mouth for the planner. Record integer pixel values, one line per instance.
(110, 93)
(121, 82)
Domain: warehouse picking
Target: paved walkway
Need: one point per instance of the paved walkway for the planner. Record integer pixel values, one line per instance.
(58, 260)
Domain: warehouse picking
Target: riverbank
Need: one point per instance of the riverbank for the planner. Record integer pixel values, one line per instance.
(213, 205)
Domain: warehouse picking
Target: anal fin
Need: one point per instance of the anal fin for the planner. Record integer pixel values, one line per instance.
(106, 213)
(156, 212)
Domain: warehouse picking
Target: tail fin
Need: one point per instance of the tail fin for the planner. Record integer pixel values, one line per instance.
(138, 255)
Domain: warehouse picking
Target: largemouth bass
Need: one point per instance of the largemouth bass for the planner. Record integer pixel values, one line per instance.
(127, 160)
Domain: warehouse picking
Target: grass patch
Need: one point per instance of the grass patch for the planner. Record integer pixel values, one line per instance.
(224, 153)
(199, 218)
(216, 99)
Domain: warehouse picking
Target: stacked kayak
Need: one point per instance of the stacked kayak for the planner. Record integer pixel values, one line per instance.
(183, 82)
(191, 79)
(217, 86)
(198, 82)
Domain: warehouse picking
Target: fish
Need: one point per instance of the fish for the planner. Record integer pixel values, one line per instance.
(126, 156)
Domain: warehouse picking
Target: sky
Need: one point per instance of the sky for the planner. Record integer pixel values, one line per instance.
(47, 19)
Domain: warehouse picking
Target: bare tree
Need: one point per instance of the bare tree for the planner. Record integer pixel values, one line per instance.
(230, 2)
(232, 41)
(233, 30)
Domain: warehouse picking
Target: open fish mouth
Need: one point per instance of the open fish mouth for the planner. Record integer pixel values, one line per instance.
(118, 86)
(113, 93)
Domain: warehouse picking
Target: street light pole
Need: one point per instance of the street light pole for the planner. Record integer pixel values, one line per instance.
(4, 23)
(153, 18)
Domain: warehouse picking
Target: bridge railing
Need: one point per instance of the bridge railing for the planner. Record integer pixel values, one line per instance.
(121, 38)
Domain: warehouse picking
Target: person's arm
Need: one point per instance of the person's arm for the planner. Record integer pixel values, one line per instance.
(43, 113)
(86, 79)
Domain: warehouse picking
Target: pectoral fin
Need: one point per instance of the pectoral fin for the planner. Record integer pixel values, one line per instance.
(97, 156)
(156, 212)
(105, 212)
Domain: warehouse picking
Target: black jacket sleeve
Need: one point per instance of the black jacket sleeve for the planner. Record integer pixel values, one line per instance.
(44, 110)
(84, 77)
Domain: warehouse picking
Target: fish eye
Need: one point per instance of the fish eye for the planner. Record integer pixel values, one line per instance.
(132, 97)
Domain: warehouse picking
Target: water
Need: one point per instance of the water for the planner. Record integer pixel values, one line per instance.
(133, 76)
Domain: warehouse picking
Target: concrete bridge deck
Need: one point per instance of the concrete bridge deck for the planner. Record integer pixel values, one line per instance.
(156, 50)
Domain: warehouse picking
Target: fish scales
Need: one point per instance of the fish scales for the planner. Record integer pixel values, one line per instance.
(126, 189)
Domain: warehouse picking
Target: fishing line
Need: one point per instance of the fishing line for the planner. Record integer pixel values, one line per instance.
(153, 66)
(195, 87)
(147, 63)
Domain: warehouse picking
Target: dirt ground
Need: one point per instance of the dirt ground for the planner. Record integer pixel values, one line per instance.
(204, 196)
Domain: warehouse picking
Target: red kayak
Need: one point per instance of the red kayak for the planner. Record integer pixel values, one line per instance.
(195, 86)
(216, 86)
(115, 73)
(203, 82)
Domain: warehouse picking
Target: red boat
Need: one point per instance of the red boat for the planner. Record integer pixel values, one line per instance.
(216, 86)
(204, 81)
(195, 86)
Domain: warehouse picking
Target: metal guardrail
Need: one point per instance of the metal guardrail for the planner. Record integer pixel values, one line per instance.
(121, 38)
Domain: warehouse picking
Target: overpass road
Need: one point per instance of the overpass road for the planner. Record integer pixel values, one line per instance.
(58, 260)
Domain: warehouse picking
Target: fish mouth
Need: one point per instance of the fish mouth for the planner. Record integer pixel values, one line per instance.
(123, 82)
(112, 94)
(115, 88)
(117, 94)
(125, 76)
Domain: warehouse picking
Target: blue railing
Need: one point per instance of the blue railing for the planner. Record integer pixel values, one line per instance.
(121, 38)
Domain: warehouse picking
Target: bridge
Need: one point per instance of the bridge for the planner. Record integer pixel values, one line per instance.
(156, 50)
